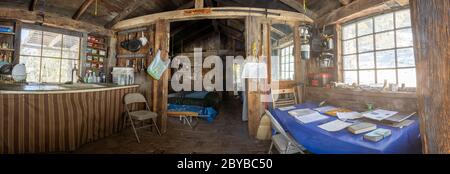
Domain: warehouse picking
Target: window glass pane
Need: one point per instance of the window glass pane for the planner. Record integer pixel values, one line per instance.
(386, 59)
(405, 57)
(365, 44)
(407, 76)
(292, 75)
(32, 65)
(66, 70)
(350, 77)
(50, 70)
(350, 47)
(403, 18)
(388, 75)
(30, 42)
(71, 47)
(404, 38)
(365, 27)
(349, 31)
(292, 66)
(385, 40)
(367, 77)
(51, 44)
(350, 62)
(366, 61)
(384, 22)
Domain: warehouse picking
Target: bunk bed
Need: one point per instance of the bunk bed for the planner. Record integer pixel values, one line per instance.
(206, 104)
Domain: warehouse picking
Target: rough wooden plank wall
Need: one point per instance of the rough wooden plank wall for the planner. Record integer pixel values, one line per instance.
(431, 28)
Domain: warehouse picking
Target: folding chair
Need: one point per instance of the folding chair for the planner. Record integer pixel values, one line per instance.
(140, 115)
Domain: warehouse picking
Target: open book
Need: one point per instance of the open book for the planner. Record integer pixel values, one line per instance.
(306, 116)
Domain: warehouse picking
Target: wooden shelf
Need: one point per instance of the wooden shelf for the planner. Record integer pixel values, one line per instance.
(8, 33)
(7, 49)
(97, 48)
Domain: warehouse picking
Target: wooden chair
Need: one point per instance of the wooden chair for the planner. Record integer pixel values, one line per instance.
(140, 115)
(284, 97)
(282, 141)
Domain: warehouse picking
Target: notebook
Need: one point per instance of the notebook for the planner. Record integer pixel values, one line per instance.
(305, 119)
(334, 126)
(397, 118)
(362, 128)
(301, 112)
(379, 114)
(377, 135)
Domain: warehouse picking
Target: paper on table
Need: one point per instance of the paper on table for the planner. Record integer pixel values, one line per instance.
(379, 114)
(325, 109)
(301, 112)
(287, 108)
(311, 118)
(348, 115)
(335, 126)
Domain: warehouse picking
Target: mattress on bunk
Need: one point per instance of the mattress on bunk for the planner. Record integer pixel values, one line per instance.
(207, 113)
(201, 98)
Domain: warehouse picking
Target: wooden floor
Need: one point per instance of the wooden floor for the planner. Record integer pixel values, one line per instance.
(226, 135)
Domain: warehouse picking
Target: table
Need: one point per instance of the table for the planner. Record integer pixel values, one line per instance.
(316, 140)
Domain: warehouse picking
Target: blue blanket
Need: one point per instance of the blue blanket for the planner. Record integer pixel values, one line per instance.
(319, 141)
(208, 113)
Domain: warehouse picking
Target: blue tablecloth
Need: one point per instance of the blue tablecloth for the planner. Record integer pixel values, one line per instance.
(316, 140)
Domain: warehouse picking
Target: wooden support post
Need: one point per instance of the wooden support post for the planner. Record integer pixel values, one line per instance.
(160, 87)
(431, 28)
(300, 64)
(199, 3)
(253, 48)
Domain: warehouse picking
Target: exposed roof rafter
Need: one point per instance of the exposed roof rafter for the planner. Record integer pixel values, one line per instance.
(82, 9)
(295, 4)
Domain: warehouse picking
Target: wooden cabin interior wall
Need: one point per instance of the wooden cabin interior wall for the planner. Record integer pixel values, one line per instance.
(250, 36)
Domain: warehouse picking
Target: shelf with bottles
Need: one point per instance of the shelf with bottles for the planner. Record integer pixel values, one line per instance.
(7, 40)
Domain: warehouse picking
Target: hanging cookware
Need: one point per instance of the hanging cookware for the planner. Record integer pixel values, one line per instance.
(133, 45)
(143, 40)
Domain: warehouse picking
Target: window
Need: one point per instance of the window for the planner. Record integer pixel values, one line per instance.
(379, 48)
(287, 63)
(49, 56)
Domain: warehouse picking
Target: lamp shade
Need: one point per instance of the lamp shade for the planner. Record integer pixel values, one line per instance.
(254, 70)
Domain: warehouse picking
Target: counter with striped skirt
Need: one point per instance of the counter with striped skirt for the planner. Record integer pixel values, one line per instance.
(59, 122)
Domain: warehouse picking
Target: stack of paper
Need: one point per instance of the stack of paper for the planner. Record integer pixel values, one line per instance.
(399, 117)
(325, 109)
(301, 112)
(348, 115)
(335, 125)
(305, 119)
(379, 114)
(287, 108)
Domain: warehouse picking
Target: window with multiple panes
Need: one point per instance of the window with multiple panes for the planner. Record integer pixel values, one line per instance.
(379, 48)
(287, 63)
(49, 56)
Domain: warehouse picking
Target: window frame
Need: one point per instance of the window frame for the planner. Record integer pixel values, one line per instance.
(284, 61)
(63, 33)
(357, 54)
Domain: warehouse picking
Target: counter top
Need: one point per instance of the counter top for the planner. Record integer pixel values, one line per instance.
(34, 88)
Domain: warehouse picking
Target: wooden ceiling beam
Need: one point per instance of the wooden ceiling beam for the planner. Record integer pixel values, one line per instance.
(359, 8)
(33, 4)
(300, 8)
(213, 13)
(127, 11)
(82, 9)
